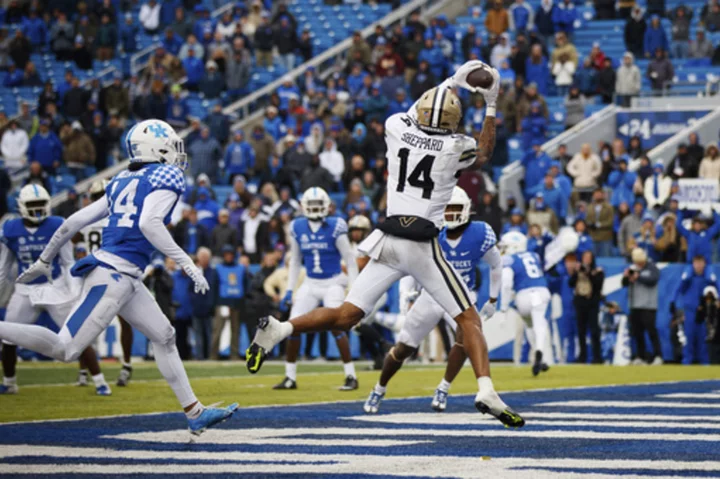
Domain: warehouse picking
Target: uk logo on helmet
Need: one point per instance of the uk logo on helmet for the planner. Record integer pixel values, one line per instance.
(158, 130)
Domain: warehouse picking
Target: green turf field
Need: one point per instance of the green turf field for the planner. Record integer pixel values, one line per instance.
(46, 390)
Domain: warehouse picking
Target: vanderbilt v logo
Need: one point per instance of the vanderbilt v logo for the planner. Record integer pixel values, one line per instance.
(406, 221)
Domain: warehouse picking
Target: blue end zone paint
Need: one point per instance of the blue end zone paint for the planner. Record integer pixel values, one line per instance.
(91, 300)
(441, 444)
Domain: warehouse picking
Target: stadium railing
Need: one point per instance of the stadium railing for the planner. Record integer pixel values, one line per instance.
(705, 127)
(249, 108)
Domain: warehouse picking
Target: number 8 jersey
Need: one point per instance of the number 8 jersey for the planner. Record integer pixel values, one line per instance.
(422, 168)
(320, 254)
(126, 195)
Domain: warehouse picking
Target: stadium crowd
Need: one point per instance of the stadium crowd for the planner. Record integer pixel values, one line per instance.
(330, 132)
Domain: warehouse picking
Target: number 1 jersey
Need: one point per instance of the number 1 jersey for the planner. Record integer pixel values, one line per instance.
(422, 168)
(320, 255)
(126, 194)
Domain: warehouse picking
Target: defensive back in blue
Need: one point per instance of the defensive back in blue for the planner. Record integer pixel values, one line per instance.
(27, 246)
(126, 194)
(527, 270)
(320, 255)
(476, 240)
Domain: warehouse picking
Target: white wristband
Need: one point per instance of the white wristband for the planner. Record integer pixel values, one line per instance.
(490, 111)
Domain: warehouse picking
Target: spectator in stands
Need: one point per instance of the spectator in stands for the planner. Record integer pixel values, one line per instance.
(489, 211)
(563, 48)
(156, 103)
(172, 42)
(254, 235)
(30, 76)
(36, 176)
(655, 37)
(635, 149)
(107, 39)
(78, 148)
(20, 49)
(150, 17)
(315, 175)
(239, 157)
(536, 162)
(682, 165)
(645, 238)
(516, 222)
(600, 221)
(670, 245)
(629, 227)
(181, 24)
(128, 35)
(628, 80)
(563, 157)
(212, 84)
(597, 56)
(177, 108)
(332, 160)
(533, 127)
(606, 80)
(223, 234)
(285, 39)
(45, 148)
(521, 17)
(604, 9)
(695, 149)
(660, 72)
(545, 28)
(563, 71)
(219, 124)
(205, 154)
(433, 55)
(564, 17)
(540, 217)
(554, 197)
(191, 43)
(14, 146)
(237, 69)
(501, 51)
(14, 77)
(701, 47)
(537, 71)
(61, 38)
(190, 234)
(35, 29)
(574, 107)
(264, 42)
(622, 181)
(712, 20)
(423, 80)
(5, 40)
(203, 305)
(207, 209)
(586, 78)
(530, 96)
(263, 145)
(635, 29)
(27, 120)
(585, 168)
(680, 17)
(233, 281)
(710, 165)
(657, 187)
(81, 54)
(390, 63)
(194, 69)
(497, 20)
(587, 279)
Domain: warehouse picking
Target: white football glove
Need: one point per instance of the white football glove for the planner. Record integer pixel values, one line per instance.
(460, 76)
(487, 311)
(491, 94)
(37, 270)
(196, 274)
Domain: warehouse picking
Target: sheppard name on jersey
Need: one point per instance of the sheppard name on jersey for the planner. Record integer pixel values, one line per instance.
(424, 143)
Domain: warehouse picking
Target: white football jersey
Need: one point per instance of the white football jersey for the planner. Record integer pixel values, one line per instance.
(423, 169)
(92, 236)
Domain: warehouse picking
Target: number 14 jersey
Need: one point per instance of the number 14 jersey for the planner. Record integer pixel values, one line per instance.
(423, 169)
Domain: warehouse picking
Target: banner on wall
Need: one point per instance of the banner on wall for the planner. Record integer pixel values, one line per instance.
(654, 127)
(698, 194)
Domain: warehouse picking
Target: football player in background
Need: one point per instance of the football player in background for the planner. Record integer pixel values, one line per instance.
(464, 243)
(138, 203)
(90, 238)
(22, 240)
(319, 243)
(425, 156)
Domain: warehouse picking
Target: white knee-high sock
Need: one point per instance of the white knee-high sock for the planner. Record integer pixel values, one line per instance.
(33, 337)
(171, 367)
(541, 329)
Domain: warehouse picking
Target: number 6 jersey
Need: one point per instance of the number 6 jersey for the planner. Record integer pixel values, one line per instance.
(422, 168)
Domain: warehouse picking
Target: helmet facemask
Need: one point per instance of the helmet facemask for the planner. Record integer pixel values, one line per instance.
(35, 211)
(315, 209)
(456, 215)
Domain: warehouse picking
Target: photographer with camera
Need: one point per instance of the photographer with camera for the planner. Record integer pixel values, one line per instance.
(709, 313)
(587, 279)
(641, 279)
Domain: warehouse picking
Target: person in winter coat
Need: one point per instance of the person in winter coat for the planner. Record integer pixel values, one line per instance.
(207, 209)
(587, 280)
(489, 211)
(681, 18)
(212, 84)
(700, 237)
(497, 20)
(660, 72)
(606, 80)
(78, 148)
(655, 37)
(45, 148)
(670, 244)
(641, 279)
(701, 47)
(621, 180)
(537, 71)
(332, 160)
(559, 283)
(585, 168)
(521, 17)
(682, 165)
(223, 235)
(563, 48)
(239, 157)
(629, 227)
(564, 17)
(710, 165)
(657, 187)
(693, 283)
(544, 25)
(563, 71)
(634, 34)
(536, 163)
(533, 127)
(600, 221)
(628, 80)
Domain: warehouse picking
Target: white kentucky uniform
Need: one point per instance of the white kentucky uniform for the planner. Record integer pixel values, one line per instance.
(422, 172)
(464, 254)
(138, 204)
(21, 244)
(319, 247)
(524, 273)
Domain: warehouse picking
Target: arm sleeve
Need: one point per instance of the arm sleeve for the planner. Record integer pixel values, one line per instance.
(86, 216)
(681, 229)
(494, 260)
(6, 263)
(159, 204)
(508, 278)
(295, 265)
(66, 255)
(343, 245)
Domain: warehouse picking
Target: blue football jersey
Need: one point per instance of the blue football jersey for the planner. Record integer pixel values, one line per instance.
(27, 246)
(527, 270)
(475, 241)
(320, 255)
(126, 195)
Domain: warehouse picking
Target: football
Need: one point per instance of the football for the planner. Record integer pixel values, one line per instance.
(480, 78)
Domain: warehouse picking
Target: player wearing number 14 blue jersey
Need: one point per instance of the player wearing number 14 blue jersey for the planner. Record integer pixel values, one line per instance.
(137, 203)
(318, 243)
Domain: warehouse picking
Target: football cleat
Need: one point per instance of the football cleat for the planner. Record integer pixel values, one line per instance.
(439, 401)
(286, 383)
(11, 389)
(124, 376)
(351, 384)
(103, 390)
(267, 336)
(210, 417)
(372, 404)
(82, 379)
(490, 403)
(538, 364)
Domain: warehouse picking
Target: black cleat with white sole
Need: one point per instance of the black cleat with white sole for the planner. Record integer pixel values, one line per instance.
(351, 384)
(286, 383)
(507, 416)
